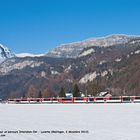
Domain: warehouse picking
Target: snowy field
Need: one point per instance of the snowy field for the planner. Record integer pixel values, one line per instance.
(98, 121)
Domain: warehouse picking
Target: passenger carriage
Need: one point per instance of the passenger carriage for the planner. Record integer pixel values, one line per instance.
(24, 101)
(33, 100)
(46, 100)
(66, 100)
(55, 100)
(136, 99)
(117, 99)
(80, 99)
(11, 101)
(91, 99)
(126, 99)
(99, 100)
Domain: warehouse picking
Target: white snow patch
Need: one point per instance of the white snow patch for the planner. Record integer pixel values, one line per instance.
(128, 56)
(88, 77)
(103, 93)
(53, 72)
(104, 73)
(43, 74)
(5, 53)
(87, 52)
(69, 80)
(118, 59)
(22, 55)
(136, 41)
(102, 52)
(111, 71)
(7, 68)
(67, 69)
(102, 62)
(137, 52)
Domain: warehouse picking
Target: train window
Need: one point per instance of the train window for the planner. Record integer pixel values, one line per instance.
(91, 99)
(99, 98)
(54, 99)
(114, 98)
(47, 99)
(138, 98)
(80, 98)
(126, 98)
(17, 100)
(66, 99)
(9, 100)
(32, 100)
(23, 100)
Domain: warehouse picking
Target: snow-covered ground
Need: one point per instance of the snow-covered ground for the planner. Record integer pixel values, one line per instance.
(102, 121)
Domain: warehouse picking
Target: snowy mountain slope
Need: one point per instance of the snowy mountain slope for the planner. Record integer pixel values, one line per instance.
(86, 52)
(5, 53)
(22, 55)
(14, 64)
(72, 50)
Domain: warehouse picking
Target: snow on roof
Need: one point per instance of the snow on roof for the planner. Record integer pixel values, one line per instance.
(103, 93)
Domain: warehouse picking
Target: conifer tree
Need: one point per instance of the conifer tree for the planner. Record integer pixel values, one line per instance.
(39, 94)
(62, 92)
(76, 91)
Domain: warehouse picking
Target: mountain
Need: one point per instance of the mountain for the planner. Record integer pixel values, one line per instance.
(22, 55)
(116, 67)
(5, 53)
(72, 50)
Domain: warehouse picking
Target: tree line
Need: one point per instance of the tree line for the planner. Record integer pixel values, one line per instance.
(48, 93)
(90, 88)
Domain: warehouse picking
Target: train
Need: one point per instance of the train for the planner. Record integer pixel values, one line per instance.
(112, 99)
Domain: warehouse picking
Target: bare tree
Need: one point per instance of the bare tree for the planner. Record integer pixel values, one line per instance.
(32, 92)
(47, 93)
